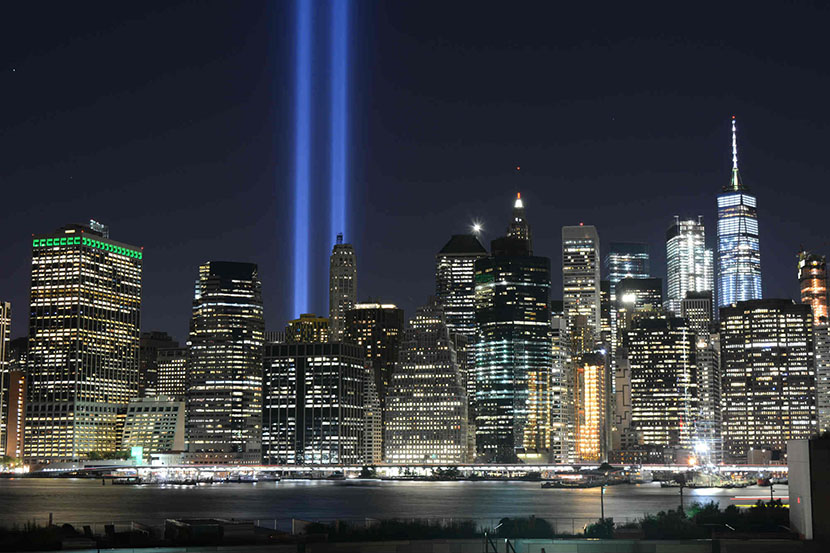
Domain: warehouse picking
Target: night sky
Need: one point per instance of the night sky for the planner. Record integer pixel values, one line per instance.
(172, 123)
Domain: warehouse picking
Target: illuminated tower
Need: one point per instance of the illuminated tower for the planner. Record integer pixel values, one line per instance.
(378, 328)
(513, 359)
(591, 408)
(626, 260)
(342, 287)
(581, 275)
(518, 227)
(426, 408)
(83, 342)
(224, 376)
(5, 377)
(812, 277)
(688, 262)
(739, 255)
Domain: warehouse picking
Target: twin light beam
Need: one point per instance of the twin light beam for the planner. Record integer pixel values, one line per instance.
(338, 162)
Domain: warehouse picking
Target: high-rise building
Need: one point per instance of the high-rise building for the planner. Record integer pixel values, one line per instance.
(378, 328)
(342, 286)
(605, 312)
(171, 366)
(561, 390)
(822, 362)
(455, 291)
(224, 372)
(372, 419)
(812, 279)
(149, 345)
(15, 408)
(626, 260)
(308, 328)
(83, 342)
(591, 408)
(581, 275)
(513, 356)
(739, 254)
(519, 227)
(768, 375)
(313, 403)
(426, 408)
(155, 424)
(664, 396)
(5, 340)
(696, 308)
(688, 261)
(636, 296)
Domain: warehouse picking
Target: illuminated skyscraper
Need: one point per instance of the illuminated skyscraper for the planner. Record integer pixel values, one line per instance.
(561, 389)
(822, 362)
(83, 342)
(224, 374)
(313, 403)
(5, 340)
(591, 408)
(688, 262)
(664, 395)
(149, 345)
(513, 352)
(768, 374)
(378, 328)
(16, 382)
(171, 368)
(519, 227)
(342, 287)
(426, 408)
(627, 260)
(637, 296)
(812, 278)
(739, 255)
(581, 275)
(455, 291)
(308, 328)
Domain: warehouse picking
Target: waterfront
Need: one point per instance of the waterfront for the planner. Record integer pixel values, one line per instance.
(87, 501)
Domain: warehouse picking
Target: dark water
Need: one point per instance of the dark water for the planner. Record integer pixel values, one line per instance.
(82, 500)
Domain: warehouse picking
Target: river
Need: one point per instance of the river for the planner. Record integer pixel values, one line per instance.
(87, 501)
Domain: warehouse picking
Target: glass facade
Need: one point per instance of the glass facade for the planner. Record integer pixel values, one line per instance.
(689, 264)
(626, 260)
(581, 275)
(812, 279)
(342, 286)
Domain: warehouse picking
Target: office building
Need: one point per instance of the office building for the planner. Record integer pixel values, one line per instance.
(812, 279)
(426, 409)
(342, 287)
(372, 453)
(83, 342)
(626, 260)
(821, 333)
(377, 327)
(314, 411)
(308, 328)
(224, 371)
(513, 355)
(15, 414)
(739, 254)
(633, 297)
(664, 395)
(605, 313)
(5, 341)
(155, 424)
(149, 345)
(581, 275)
(688, 262)
(519, 227)
(171, 367)
(768, 375)
(561, 390)
(696, 308)
(591, 408)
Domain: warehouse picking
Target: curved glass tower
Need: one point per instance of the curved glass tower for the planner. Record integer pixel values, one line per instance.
(739, 256)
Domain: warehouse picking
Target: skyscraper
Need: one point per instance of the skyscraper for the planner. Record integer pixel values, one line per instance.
(561, 390)
(342, 286)
(768, 377)
(519, 227)
(83, 342)
(378, 328)
(426, 408)
(591, 408)
(688, 262)
(149, 345)
(171, 368)
(581, 275)
(822, 362)
(308, 328)
(224, 375)
(5, 377)
(513, 350)
(812, 279)
(636, 296)
(15, 413)
(313, 403)
(739, 255)
(627, 260)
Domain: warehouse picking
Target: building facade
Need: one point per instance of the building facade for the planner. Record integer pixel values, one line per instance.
(308, 328)
(821, 333)
(627, 260)
(5, 377)
(171, 369)
(149, 345)
(83, 342)
(378, 328)
(768, 377)
(426, 409)
(812, 279)
(739, 254)
(581, 275)
(591, 408)
(689, 264)
(342, 287)
(314, 411)
(224, 371)
(155, 424)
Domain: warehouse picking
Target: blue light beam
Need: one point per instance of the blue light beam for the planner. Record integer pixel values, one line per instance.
(339, 116)
(302, 157)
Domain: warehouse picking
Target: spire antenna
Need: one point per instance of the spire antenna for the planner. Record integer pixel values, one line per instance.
(734, 145)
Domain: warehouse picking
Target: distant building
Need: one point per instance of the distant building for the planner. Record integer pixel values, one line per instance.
(689, 264)
(308, 328)
(171, 369)
(561, 390)
(149, 345)
(372, 419)
(83, 342)
(224, 372)
(768, 377)
(513, 356)
(378, 328)
(591, 408)
(15, 408)
(314, 412)
(426, 409)
(155, 424)
(581, 275)
(5, 340)
(812, 279)
(626, 260)
(696, 308)
(342, 287)
(822, 362)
